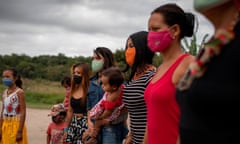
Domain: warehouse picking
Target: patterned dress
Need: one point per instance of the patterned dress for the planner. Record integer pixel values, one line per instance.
(133, 98)
(78, 124)
(11, 119)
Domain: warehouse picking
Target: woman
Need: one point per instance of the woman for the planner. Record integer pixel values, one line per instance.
(139, 58)
(168, 24)
(77, 112)
(209, 92)
(113, 132)
(13, 113)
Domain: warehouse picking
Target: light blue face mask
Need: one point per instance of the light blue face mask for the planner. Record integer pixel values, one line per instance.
(202, 5)
(7, 81)
(97, 65)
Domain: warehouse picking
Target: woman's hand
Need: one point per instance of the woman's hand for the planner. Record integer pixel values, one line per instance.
(128, 139)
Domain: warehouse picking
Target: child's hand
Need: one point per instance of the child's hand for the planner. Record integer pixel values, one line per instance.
(19, 136)
(64, 137)
(0, 135)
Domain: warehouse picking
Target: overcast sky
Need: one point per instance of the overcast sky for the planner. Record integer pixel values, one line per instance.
(76, 27)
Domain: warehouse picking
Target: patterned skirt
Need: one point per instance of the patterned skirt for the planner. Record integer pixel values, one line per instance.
(76, 129)
(9, 131)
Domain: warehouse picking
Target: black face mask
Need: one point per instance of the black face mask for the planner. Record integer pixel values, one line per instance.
(77, 79)
(54, 119)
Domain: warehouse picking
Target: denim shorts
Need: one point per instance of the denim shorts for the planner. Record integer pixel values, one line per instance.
(114, 133)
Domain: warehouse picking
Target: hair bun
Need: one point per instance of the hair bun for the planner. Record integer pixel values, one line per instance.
(190, 19)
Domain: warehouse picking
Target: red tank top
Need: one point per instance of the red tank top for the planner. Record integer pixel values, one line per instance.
(162, 109)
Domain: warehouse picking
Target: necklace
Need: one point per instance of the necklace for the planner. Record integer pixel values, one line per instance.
(211, 49)
(139, 73)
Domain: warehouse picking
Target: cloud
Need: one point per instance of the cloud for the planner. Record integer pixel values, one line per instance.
(73, 27)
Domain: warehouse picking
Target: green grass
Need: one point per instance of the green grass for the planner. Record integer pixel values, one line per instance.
(41, 93)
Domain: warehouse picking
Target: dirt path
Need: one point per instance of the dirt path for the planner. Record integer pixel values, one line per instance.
(37, 122)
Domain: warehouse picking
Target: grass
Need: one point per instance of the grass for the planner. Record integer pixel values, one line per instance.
(41, 94)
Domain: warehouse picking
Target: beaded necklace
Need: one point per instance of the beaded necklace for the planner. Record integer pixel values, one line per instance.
(211, 49)
(139, 73)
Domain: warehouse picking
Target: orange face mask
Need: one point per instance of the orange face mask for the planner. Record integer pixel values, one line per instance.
(130, 54)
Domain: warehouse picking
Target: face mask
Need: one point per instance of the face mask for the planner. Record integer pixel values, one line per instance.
(54, 119)
(159, 41)
(7, 81)
(77, 79)
(97, 65)
(130, 54)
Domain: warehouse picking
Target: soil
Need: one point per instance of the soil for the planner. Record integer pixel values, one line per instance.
(37, 121)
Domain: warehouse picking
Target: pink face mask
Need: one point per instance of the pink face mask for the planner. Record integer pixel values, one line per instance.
(159, 41)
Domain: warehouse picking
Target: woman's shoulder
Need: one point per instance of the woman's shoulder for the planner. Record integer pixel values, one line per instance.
(187, 60)
(182, 67)
(20, 92)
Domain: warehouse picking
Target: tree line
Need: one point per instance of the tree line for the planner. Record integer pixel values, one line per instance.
(51, 67)
(54, 68)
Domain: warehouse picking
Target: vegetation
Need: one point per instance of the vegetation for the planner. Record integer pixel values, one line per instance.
(42, 74)
(191, 45)
(41, 93)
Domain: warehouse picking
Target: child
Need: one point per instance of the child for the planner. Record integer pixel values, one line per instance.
(107, 109)
(13, 114)
(55, 130)
(66, 83)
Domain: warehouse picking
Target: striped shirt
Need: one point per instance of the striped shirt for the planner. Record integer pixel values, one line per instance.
(133, 98)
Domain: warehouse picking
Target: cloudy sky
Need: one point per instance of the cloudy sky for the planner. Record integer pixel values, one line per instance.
(76, 27)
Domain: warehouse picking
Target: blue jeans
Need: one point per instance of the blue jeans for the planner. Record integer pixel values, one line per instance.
(114, 134)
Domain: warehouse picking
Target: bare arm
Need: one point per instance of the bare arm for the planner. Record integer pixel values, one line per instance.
(1, 120)
(48, 139)
(22, 104)
(106, 113)
(69, 115)
(181, 69)
(145, 139)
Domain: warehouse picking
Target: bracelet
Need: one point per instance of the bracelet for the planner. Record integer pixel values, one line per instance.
(65, 129)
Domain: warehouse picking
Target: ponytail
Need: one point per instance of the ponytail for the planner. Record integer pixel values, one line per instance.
(189, 27)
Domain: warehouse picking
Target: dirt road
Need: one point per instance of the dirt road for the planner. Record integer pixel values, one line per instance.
(37, 122)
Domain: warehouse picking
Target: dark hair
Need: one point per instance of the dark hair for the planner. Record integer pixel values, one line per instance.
(108, 56)
(16, 76)
(66, 80)
(143, 54)
(63, 113)
(173, 14)
(115, 76)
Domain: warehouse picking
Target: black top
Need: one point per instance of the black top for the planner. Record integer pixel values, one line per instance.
(210, 108)
(77, 107)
